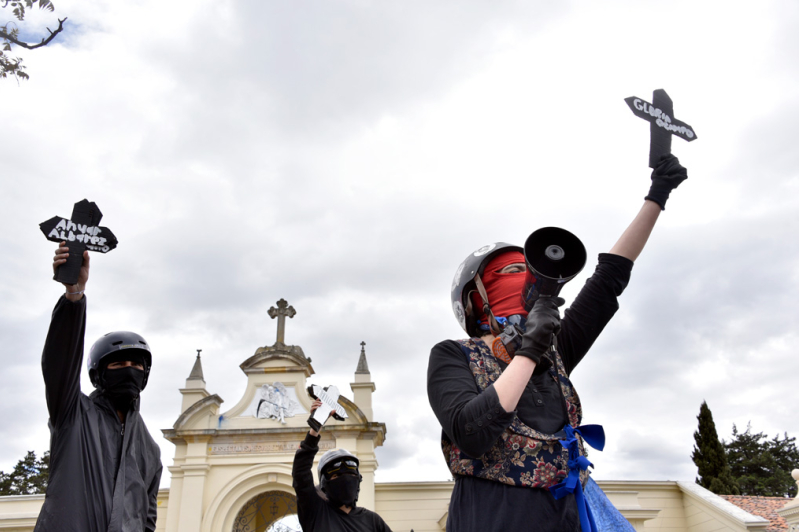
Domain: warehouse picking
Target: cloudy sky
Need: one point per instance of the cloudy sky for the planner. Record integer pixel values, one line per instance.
(347, 156)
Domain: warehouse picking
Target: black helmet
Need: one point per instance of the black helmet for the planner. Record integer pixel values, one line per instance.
(114, 342)
(464, 282)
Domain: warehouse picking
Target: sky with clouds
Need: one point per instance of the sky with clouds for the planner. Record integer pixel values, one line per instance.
(348, 155)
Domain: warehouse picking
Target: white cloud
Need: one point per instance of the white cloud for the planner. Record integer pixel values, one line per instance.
(347, 156)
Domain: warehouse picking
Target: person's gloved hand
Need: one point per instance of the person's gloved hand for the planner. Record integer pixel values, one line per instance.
(543, 322)
(666, 176)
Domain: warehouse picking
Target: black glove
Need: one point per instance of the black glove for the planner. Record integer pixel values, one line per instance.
(543, 322)
(666, 176)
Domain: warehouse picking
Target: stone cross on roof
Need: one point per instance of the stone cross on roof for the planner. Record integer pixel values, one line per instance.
(283, 309)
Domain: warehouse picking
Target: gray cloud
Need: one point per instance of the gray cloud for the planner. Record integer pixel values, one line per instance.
(348, 156)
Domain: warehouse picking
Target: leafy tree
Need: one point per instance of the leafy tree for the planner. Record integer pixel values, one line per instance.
(760, 465)
(9, 33)
(710, 457)
(28, 477)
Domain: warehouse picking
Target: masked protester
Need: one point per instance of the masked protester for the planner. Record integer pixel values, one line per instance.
(105, 468)
(511, 418)
(331, 506)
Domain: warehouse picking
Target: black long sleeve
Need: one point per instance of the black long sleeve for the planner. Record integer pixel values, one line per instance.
(308, 500)
(62, 357)
(474, 420)
(152, 493)
(593, 308)
(314, 512)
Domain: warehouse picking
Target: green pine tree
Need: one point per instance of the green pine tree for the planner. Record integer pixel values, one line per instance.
(710, 457)
(760, 465)
(29, 476)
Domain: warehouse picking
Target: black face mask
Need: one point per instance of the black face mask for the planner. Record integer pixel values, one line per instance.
(343, 490)
(122, 386)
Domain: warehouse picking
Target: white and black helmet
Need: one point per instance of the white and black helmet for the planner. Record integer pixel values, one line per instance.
(337, 461)
(464, 283)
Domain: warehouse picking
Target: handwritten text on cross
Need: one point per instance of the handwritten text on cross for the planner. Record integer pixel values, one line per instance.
(660, 115)
(329, 397)
(81, 232)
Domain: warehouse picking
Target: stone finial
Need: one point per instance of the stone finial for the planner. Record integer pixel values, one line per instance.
(363, 367)
(197, 370)
(795, 475)
(283, 309)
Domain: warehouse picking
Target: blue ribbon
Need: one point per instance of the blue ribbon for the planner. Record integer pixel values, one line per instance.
(594, 435)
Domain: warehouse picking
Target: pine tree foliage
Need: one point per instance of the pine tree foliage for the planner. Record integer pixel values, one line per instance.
(710, 457)
(29, 476)
(760, 465)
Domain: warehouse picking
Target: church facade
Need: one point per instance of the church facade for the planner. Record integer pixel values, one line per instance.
(232, 469)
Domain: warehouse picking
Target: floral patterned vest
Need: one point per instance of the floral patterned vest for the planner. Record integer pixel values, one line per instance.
(522, 456)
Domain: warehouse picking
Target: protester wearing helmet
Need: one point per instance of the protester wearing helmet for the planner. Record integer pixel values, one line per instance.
(507, 414)
(330, 507)
(105, 468)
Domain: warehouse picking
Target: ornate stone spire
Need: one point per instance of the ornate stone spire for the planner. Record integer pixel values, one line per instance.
(197, 370)
(363, 367)
(363, 386)
(194, 390)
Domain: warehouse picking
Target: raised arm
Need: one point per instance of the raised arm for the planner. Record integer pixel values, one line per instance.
(666, 176)
(634, 238)
(63, 349)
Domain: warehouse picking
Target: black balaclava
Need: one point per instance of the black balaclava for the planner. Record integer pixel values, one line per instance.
(123, 385)
(343, 490)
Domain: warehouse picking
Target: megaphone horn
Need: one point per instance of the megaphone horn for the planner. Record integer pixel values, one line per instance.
(554, 257)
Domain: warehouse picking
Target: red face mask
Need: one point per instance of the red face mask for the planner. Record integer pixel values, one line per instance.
(504, 290)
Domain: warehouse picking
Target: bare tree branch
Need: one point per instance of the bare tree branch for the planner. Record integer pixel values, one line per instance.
(44, 42)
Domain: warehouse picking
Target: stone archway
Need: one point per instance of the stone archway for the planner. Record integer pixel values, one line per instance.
(263, 510)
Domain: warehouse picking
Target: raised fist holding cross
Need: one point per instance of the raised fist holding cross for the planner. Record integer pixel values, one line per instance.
(76, 236)
(329, 405)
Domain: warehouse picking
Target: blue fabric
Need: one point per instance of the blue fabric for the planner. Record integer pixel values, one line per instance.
(594, 435)
(606, 516)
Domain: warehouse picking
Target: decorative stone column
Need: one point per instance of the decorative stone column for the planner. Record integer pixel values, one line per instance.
(791, 510)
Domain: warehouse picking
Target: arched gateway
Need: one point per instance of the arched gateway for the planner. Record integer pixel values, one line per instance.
(265, 511)
(232, 471)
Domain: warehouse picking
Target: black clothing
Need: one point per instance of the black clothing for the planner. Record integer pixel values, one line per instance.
(667, 175)
(104, 475)
(122, 386)
(314, 512)
(542, 323)
(343, 490)
(474, 420)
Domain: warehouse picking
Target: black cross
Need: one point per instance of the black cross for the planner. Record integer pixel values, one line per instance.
(283, 309)
(81, 232)
(662, 124)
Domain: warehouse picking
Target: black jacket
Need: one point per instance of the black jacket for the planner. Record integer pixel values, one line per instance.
(104, 476)
(314, 512)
